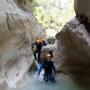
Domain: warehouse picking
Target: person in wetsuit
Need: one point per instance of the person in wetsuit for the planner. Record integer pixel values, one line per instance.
(38, 43)
(49, 68)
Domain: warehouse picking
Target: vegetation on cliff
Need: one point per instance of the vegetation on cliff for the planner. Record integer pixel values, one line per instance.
(53, 14)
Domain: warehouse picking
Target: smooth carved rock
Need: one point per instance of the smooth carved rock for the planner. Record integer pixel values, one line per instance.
(73, 51)
(82, 7)
(18, 28)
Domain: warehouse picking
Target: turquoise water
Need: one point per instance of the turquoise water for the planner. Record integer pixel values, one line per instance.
(63, 82)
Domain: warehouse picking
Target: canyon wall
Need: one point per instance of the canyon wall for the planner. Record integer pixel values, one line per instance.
(18, 29)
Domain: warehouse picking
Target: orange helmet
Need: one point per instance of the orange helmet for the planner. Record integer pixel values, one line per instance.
(48, 55)
(38, 39)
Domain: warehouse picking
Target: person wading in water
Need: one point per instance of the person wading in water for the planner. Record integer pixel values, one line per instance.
(49, 68)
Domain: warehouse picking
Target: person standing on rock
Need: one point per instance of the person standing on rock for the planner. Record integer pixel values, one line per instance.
(38, 47)
(49, 68)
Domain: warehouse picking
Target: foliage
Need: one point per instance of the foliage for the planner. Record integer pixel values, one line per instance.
(53, 14)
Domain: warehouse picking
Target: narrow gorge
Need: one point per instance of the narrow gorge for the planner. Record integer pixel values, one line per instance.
(19, 28)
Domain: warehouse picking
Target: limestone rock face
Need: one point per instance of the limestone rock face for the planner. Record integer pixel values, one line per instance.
(18, 28)
(82, 7)
(73, 51)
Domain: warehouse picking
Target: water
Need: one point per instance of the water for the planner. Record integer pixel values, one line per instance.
(63, 82)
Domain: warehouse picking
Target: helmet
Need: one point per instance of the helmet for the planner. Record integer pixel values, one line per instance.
(48, 55)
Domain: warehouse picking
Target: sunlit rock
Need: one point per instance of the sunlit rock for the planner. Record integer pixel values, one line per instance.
(18, 29)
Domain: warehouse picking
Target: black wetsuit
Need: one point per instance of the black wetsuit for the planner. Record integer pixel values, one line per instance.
(38, 51)
(49, 68)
